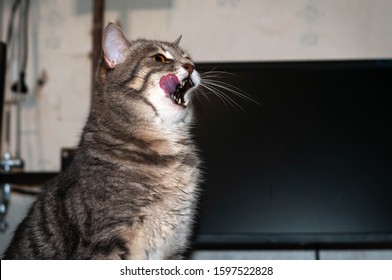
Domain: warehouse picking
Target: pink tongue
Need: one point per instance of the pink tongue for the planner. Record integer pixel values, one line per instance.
(169, 83)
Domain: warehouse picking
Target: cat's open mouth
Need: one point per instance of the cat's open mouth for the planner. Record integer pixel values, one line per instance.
(178, 95)
(175, 89)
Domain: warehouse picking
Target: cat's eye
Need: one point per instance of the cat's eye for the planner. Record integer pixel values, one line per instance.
(160, 58)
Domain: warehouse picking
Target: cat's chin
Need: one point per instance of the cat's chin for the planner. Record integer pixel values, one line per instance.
(178, 104)
(181, 105)
(167, 110)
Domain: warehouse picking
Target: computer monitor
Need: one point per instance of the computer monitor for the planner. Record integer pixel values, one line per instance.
(310, 164)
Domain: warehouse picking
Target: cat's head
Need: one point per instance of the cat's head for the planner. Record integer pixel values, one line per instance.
(156, 76)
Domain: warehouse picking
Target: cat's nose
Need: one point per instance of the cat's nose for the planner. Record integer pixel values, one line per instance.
(189, 67)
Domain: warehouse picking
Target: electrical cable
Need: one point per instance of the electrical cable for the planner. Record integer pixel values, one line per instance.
(20, 86)
(11, 21)
(25, 31)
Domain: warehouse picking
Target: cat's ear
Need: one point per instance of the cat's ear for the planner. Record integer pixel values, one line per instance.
(114, 45)
(177, 41)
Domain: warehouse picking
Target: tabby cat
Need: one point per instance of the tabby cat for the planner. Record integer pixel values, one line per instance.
(131, 190)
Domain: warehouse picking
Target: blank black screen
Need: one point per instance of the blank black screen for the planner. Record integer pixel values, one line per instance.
(313, 159)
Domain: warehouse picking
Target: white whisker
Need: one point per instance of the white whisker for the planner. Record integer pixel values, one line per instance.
(218, 94)
(225, 86)
(210, 81)
(212, 89)
(214, 73)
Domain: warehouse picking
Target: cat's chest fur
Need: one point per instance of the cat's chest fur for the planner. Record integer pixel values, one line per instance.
(162, 228)
(165, 226)
(157, 178)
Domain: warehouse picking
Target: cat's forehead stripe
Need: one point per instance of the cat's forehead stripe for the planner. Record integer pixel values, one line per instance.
(168, 55)
(165, 50)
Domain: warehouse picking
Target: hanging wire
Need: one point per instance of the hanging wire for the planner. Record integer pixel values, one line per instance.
(11, 21)
(20, 86)
(25, 31)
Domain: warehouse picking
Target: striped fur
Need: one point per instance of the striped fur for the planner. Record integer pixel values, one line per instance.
(131, 190)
